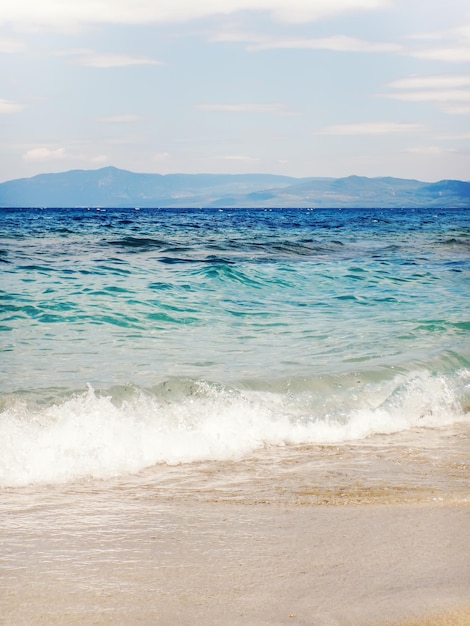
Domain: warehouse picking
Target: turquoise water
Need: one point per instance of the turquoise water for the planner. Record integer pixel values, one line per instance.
(133, 337)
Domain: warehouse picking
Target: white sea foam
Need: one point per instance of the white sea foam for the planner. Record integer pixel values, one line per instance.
(90, 435)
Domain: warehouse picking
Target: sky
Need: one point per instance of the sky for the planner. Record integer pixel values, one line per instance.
(295, 87)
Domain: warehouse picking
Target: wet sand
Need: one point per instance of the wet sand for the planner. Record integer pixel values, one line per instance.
(370, 534)
(456, 617)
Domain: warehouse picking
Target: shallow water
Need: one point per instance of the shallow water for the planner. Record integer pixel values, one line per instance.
(239, 542)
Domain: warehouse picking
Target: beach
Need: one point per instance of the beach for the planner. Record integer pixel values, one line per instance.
(234, 416)
(324, 536)
(234, 313)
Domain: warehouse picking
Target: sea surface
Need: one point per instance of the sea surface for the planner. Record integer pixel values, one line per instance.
(155, 338)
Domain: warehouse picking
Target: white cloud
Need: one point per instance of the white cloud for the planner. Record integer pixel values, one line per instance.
(120, 119)
(7, 107)
(91, 58)
(371, 128)
(76, 152)
(339, 43)
(449, 46)
(11, 46)
(246, 107)
(44, 154)
(116, 60)
(67, 13)
(456, 136)
(450, 54)
(238, 36)
(432, 81)
(99, 159)
(456, 109)
(450, 92)
(308, 10)
(237, 157)
(437, 95)
(430, 150)
(160, 156)
(131, 140)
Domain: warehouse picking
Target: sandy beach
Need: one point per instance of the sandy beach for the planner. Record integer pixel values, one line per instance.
(369, 534)
(233, 564)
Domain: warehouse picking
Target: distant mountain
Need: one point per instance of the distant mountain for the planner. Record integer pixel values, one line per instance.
(112, 187)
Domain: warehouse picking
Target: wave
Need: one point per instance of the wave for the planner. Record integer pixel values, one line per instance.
(63, 437)
(137, 244)
(206, 248)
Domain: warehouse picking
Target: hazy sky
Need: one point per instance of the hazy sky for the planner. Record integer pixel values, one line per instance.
(298, 87)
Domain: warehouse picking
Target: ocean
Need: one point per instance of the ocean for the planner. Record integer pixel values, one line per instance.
(154, 340)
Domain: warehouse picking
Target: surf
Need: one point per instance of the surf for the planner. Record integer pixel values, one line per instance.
(55, 438)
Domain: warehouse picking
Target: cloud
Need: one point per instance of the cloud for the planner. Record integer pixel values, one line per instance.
(456, 136)
(237, 157)
(456, 109)
(99, 159)
(450, 92)
(8, 107)
(432, 81)
(435, 95)
(130, 140)
(44, 154)
(11, 46)
(451, 54)
(238, 36)
(120, 119)
(371, 128)
(69, 13)
(430, 150)
(338, 43)
(449, 46)
(75, 152)
(246, 107)
(160, 156)
(116, 60)
(90, 58)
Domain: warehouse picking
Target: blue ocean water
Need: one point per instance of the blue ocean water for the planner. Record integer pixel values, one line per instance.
(134, 337)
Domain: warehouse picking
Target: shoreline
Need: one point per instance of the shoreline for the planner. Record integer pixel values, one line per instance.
(372, 533)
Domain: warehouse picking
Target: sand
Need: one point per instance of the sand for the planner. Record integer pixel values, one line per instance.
(344, 536)
(456, 617)
(220, 563)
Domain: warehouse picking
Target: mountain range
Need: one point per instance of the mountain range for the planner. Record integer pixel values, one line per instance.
(113, 187)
